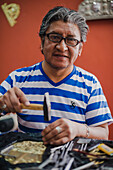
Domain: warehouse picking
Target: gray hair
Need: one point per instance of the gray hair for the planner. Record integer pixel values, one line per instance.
(65, 15)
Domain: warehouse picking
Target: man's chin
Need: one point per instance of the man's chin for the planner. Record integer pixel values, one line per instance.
(59, 66)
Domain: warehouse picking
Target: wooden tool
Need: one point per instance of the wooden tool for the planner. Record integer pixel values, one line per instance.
(46, 107)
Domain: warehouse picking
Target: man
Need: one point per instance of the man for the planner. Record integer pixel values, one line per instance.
(78, 105)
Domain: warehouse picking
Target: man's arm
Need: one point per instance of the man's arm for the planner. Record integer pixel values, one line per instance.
(97, 132)
(70, 130)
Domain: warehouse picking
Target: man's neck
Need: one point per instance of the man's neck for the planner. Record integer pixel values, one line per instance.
(56, 74)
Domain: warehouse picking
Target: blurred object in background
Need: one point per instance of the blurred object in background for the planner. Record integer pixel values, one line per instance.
(8, 123)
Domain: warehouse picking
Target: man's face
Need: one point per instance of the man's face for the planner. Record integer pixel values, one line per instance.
(60, 55)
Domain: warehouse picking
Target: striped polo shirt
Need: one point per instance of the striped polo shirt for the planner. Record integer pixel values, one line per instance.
(78, 97)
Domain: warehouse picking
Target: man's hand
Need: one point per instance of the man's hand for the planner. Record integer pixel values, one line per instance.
(60, 132)
(12, 99)
(63, 130)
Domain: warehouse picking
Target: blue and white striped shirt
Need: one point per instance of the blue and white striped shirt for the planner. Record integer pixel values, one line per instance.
(78, 97)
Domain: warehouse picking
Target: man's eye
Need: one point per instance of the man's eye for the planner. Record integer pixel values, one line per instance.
(54, 37)
(71, 39)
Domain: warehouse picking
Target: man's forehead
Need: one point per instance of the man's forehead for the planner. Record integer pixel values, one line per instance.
(63, 27)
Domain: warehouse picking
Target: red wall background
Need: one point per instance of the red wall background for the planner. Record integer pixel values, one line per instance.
(20, 45)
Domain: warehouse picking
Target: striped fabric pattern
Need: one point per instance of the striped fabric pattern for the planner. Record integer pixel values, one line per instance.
(78, 97)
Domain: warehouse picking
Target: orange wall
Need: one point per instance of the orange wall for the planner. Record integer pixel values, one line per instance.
(20, 45)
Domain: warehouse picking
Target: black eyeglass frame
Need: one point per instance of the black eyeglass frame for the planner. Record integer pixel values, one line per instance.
(62, 38)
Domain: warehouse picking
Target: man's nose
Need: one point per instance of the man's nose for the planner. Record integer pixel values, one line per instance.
(62, 46)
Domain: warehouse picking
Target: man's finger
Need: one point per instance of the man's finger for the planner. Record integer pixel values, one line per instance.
(60, 141)
(1, 101)
(21, 96)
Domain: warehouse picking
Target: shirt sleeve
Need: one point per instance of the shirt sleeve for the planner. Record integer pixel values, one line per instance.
(8, 83)
(97, 111)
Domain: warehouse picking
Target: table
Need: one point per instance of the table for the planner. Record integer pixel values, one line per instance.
(75, 154)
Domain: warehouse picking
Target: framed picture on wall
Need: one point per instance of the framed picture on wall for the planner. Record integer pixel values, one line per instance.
(96, 9)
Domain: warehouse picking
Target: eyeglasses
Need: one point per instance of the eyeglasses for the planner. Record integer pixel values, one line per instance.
(57, 38)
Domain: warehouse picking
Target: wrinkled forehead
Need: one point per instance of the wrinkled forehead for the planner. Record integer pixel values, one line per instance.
(64, 28)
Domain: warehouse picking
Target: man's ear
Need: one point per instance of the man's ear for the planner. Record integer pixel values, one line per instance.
(42, 44)
(41, 48)
(80, 48)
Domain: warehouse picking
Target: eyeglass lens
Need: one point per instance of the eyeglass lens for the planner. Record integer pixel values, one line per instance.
(57, 38)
